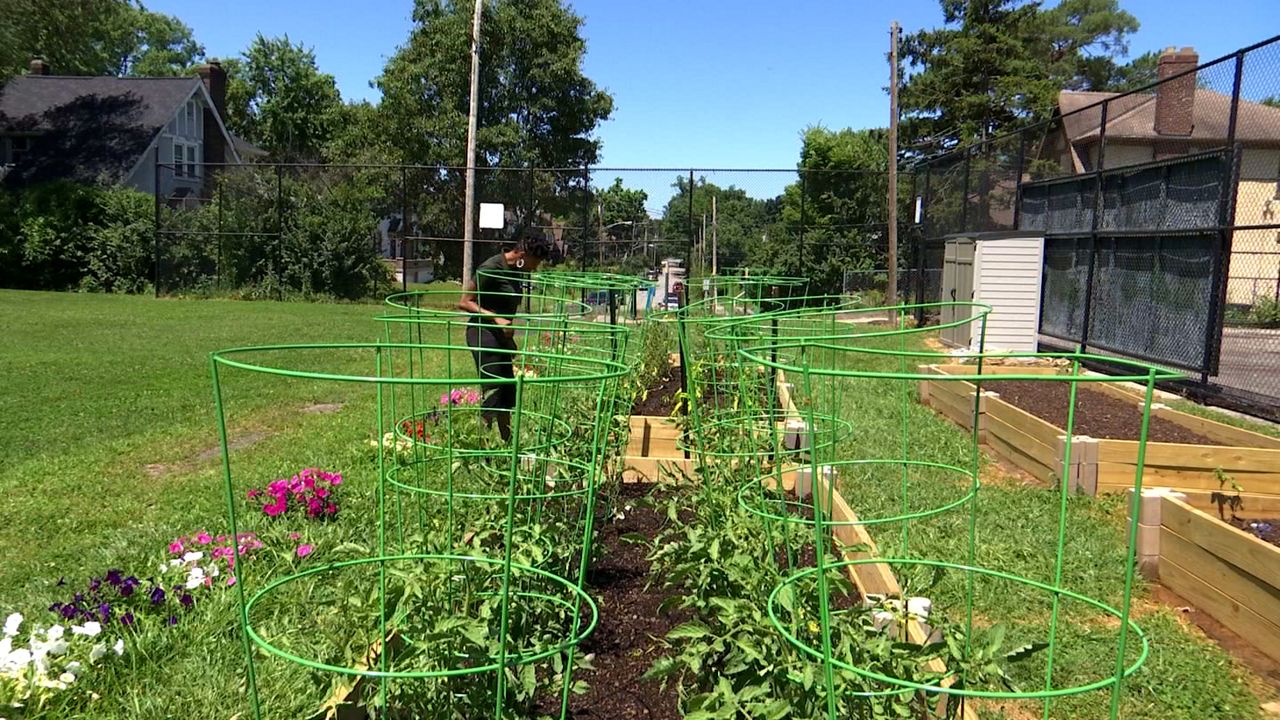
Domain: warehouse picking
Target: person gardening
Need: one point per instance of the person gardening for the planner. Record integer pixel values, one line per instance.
(492, 297)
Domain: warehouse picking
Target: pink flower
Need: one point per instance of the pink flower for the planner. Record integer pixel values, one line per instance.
(231, 580)
(175, 547)
(322, 492)
(274, 509)
(304, 550)
(336, 479)
(294, 536)
(254, 493)
(203, 538)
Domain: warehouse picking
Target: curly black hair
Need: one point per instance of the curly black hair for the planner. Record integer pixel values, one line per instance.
(534, 243)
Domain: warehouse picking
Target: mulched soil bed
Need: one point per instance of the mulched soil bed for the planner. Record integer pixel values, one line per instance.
(661, 398)
(624, 642)
(1268, 530)
(1098, 414)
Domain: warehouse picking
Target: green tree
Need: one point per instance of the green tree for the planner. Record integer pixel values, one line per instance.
(278, 99)
(94, 37)
(999, 64)
(833, 219)
(536, 109)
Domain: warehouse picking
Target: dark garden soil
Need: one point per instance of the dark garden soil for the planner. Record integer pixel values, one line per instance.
(626, 641)
(1098, 414)
(1268, 530)
(660, 400)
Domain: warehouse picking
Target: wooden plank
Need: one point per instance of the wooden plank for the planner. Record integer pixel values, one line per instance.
(1022, 460)
(990, 368)
(1255, 505)
(1111, 473)
(648, 469)
(1256, 557)
(1262, 599)
(1047, 455)
(1238, 459)
(960, 413)
(1222, 607)
(1218, 431)
(1044, 432)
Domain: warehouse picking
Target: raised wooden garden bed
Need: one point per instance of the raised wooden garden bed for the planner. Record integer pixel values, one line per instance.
(1225, 572)
(652, 454)
(1037, 446)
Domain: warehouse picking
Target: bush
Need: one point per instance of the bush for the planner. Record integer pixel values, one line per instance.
(67, 236)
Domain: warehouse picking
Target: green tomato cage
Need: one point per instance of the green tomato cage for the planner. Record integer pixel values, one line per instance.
(458, 589)
(460, 592)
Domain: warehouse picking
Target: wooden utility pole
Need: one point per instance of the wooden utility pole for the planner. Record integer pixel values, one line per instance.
(893, 164)
(715, 225)
(702, 246)
(473, 111)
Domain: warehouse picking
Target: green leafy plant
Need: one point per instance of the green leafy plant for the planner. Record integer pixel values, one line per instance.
(1223, 499)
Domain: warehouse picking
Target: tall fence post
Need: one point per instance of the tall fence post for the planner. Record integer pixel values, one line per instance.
(279, 231)
(1017, 180)
(688, 263)
(1226, 222)
(922, 237)
(964, 193)
(404, 228)
(1095, 221)
(155, 240)
(804, 190)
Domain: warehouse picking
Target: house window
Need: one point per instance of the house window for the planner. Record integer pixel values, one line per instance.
(186, 159)
(193, 169)
(179, 158)
(191, 118)
(14, 149)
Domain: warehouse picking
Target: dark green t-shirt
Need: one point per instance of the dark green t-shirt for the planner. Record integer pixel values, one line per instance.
(498, 286)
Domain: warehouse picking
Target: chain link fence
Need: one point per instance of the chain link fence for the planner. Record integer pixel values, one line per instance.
(1160, 210)
(346, 230)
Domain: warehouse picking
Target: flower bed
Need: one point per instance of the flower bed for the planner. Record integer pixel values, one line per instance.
(1037, 446)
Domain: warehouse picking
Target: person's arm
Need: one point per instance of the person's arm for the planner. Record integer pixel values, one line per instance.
(469, 303)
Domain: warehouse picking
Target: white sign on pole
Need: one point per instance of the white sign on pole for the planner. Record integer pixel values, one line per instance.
(491, 215)
(919, 208)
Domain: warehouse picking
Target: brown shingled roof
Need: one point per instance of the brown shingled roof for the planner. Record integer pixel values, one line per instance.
(1132, 117)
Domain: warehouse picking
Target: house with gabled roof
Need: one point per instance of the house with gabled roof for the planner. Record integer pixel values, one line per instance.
(117, 130)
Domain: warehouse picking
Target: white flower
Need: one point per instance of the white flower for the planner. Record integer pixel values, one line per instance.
(73, 666)
(55, 647)
(192, 557)
(54, 633)
(11, 624)
(67, 678)
(97, 652)
(213, 571)
(91, 628)
(175, 562)
(119, 646)
(20, 658)
(195, 578)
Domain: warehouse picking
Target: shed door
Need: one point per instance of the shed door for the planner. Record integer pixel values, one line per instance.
(957, 286)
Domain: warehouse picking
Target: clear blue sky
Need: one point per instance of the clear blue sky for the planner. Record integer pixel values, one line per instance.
(709, 83)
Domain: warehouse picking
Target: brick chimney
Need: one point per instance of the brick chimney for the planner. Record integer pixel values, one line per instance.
(1176, 98)
(39, 67)
(215, 82)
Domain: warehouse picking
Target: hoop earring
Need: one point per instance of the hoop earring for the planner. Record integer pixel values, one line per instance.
(520, 263)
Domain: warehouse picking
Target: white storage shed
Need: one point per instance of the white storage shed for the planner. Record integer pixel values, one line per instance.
(1002, 270)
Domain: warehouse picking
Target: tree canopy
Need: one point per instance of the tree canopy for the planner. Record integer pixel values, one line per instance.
(95, 37)
(278, 99)
(999, 64)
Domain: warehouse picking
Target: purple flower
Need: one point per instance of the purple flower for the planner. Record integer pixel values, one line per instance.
(69, 612)
(127, 619)
(94, 584)
(157, 595)
(173, 620)
(115, 577)
(105, 611)
(187, 600)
